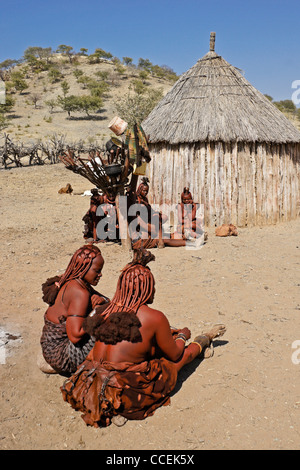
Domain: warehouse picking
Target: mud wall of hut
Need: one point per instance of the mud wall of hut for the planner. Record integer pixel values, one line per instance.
(240, 183)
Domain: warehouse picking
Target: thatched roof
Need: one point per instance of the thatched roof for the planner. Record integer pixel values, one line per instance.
(213, 101)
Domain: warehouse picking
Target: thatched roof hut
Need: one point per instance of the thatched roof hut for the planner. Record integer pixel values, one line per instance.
(214, 132)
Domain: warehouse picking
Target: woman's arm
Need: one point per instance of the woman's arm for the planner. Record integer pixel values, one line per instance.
(169, 346)
(77, 308)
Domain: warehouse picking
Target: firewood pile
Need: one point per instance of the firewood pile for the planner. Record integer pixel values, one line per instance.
(110, 175)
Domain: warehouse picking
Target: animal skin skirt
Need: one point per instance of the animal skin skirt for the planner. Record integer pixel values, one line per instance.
(59, 352)
(101, 390)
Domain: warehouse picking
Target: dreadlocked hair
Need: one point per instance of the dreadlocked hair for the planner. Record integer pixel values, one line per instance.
(120, 326)
(77, 268)
(135, 287)
(144, 183)
(186, 192)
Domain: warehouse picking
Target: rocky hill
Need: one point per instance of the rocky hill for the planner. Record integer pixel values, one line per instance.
(37, 115)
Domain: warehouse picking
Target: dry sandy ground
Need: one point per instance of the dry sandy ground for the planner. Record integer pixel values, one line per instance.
(245, 397)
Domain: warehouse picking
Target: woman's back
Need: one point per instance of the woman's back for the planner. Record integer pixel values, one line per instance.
(126, 351)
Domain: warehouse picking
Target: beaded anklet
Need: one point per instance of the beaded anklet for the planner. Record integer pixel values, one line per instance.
(198, 344)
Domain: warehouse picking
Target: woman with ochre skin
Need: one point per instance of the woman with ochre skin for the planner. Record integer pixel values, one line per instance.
(148, 235)
(133, 367)
(71, 298)
(189, 226)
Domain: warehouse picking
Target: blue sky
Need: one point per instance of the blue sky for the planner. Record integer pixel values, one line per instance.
(260, 37)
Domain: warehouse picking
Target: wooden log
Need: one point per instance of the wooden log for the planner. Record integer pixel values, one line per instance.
(234, 184)
(227, 183)
(275, 153)
(219, 183)
(211, 183)
(202, 176)
(242, 214)
(269, 185)
(251, 189)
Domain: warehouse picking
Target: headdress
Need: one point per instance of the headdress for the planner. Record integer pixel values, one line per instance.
(144, 183)
(77, 268)
(186, 192)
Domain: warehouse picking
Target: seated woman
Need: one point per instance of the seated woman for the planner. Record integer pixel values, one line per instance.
(71, 298)
(189, 225)
(150, 232)
(96, 214)
(133, 367)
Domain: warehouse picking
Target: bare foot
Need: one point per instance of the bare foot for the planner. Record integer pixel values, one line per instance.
(205, 341)
(44, 366)
(215, 332)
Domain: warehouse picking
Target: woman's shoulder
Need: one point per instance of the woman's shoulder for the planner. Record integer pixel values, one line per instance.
(149, 314)
(78, 289)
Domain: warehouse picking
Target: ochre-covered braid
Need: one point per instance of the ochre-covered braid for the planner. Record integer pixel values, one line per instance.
(78, 266)
(135, 287)
(80, 263)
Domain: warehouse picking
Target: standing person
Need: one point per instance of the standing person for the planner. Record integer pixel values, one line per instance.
(71, 298)
(102, 209)
(133, 367)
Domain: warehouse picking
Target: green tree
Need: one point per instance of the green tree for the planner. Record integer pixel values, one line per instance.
(143, 74)
(54, 75)
(127, 61)
(269, 97)
(83, 51)
(97, 88)
(286, 105)
(67, 51)
(84, 80)
(103, 54)
(78, 73)
(139, 87)
(89, 103)
(68, 103)
(7, 64)
(35, 52)
(18, 82)
(103, 75)
(136, 107)
(84, 103)
(98, 55)
(8, 105)
(4, 109)
(65, 87)
(51, 104)
(145, 64)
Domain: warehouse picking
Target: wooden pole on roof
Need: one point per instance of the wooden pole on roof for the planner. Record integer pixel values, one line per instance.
(212, 41)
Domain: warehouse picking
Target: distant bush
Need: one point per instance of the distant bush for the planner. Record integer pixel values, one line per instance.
(84, 103)
(55, 75)
(285, 105)
(135, 107)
